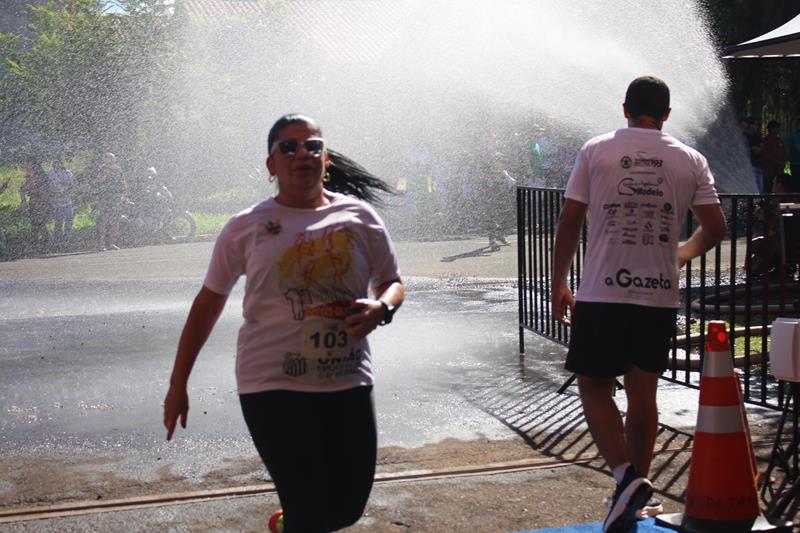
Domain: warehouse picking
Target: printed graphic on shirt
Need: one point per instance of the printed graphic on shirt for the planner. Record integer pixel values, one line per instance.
(314, 268)
(666, 221)
(271, 227)
(625, 279)
(636, 221)
(317, 262)
(639, 218)
(294, 365)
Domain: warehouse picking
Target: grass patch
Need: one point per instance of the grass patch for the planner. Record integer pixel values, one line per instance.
(210, 223)
(15, 177)
(229, 201)
(739, 346)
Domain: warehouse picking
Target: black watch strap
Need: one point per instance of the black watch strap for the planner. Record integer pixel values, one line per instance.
(388, 313)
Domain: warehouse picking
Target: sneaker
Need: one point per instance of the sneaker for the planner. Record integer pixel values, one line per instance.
(653, 507)
(631, 495)
(276, 522)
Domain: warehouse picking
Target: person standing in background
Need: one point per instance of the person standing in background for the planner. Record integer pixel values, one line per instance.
(62, 183)
(110, 193)
(773, 156)
(794, 154)
(754, 146)
(35, 198)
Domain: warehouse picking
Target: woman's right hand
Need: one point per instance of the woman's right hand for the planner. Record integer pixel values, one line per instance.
(176, 405)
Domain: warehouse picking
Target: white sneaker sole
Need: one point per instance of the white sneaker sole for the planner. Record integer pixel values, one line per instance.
(648, 511)
(612, 522)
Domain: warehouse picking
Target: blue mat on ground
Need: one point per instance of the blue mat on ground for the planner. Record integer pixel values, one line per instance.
(645, 526)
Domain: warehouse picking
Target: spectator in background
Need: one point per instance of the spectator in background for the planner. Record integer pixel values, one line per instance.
(62, 183)
(35, 198)
(794, 153)
(754, 145)
(773, 160)
(496, 200)
(110, 195)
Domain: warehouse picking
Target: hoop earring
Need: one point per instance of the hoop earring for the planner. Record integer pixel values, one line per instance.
(271, 179)
(326, 178)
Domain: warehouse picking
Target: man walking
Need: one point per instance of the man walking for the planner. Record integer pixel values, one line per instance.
(638, 183)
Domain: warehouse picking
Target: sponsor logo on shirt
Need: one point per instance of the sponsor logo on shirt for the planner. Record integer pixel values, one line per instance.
(294, 365)
(647, 162)
(643, 187)
(625, 279)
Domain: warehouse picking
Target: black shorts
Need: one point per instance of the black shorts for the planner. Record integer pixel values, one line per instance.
(608, 339)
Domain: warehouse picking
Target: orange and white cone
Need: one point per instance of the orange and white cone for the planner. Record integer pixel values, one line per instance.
(722, 493)
(722, 486)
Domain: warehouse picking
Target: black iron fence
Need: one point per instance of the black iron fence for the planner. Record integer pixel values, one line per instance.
(747, 280)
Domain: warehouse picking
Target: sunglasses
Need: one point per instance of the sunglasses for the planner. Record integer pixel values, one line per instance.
(313, 146)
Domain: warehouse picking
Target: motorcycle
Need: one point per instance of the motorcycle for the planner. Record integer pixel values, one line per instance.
(153, 216)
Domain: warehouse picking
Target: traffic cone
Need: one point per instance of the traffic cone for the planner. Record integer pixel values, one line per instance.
(722, 493)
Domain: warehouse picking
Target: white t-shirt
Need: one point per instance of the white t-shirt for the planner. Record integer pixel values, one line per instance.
(303, 269)
(61, 183)
(639, 184)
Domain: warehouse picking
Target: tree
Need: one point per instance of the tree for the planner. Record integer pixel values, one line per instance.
(763, 88)
(86, 78)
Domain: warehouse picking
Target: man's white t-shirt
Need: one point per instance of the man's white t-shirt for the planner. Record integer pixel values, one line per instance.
(639, 184)
(303, 269)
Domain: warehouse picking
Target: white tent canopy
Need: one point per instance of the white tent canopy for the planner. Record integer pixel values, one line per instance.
(783, 41)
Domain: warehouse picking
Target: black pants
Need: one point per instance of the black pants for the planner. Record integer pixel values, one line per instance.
(320, 450)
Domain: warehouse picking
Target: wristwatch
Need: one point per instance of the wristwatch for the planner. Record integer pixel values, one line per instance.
(388, 313)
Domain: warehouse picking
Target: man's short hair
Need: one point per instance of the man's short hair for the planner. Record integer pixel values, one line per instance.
(649, 96)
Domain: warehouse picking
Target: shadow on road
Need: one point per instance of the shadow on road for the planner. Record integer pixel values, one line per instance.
(483, 251)
(553, 424)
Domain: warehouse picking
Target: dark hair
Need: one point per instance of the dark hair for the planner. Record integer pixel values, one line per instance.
(36, 166)
(648, 96)
(346, 176)
(350, 178)
(285, 120)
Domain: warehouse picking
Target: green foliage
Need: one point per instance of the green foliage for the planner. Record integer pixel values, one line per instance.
(11, 178)
(210, 223)
(86, 78)
(763, 88)
(230, 200)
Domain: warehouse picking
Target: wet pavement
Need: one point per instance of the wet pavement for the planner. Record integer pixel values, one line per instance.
(86, 359)
(87, 343)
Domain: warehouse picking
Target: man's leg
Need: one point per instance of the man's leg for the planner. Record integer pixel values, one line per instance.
(758, 174)
(604, 420)
(102, 229)
(641, 419)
